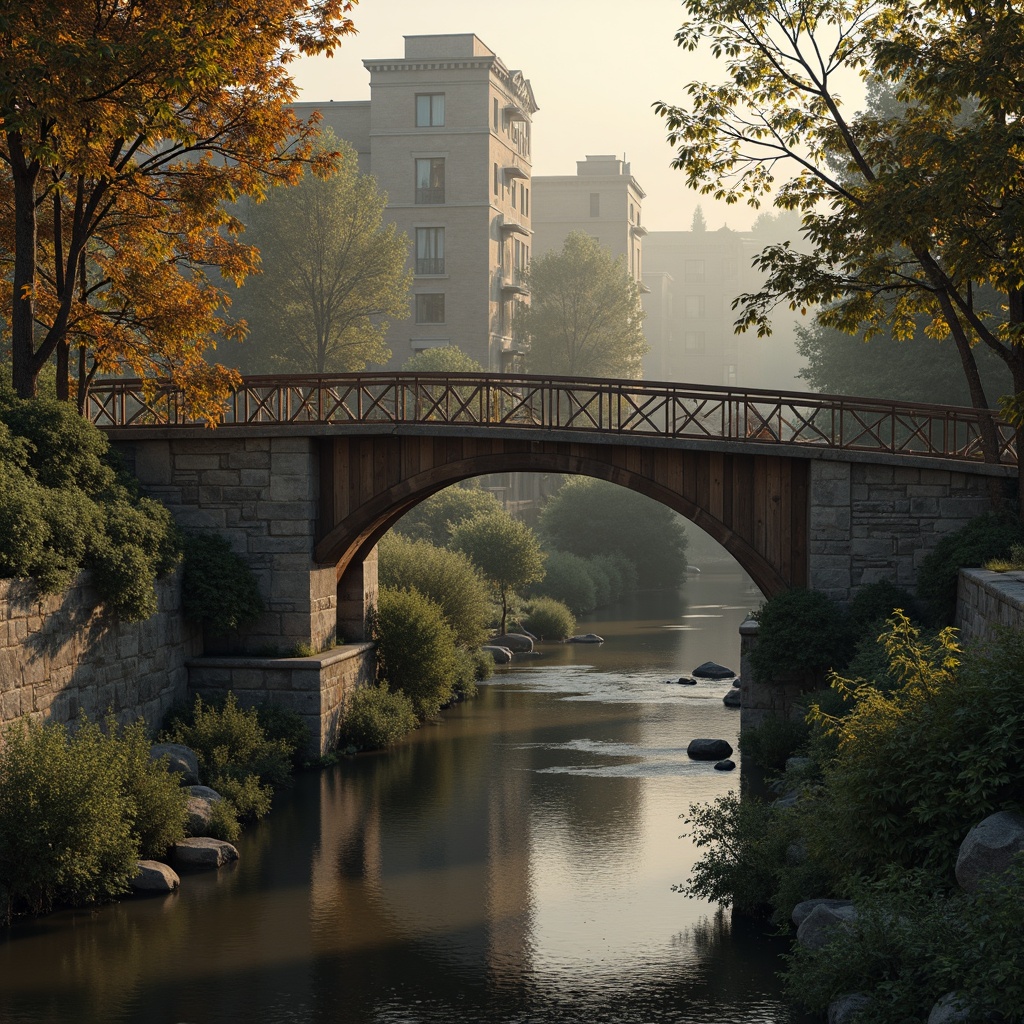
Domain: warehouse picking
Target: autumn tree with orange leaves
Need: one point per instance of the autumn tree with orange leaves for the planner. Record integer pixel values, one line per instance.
(126, 129)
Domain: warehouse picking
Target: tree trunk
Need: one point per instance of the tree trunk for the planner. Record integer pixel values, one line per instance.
(25, 241)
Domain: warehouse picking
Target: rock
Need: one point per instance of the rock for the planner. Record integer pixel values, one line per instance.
(585, 638)
(180, 759)
(708, 750)
(803, 910)
(790, 799)
(501, 655)
(725, 766)
(155, 877)
(711, 670)
(843, 1009)
(732, 699)
(989, 848)
(796, 763)
(202, 852)
(820, 925)
(686, 681)
(517, 643)
(200, 809)
(737, 682)
(950, 1009)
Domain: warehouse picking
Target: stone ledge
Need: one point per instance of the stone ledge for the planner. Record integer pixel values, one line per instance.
(312, 663)
(1006, 586)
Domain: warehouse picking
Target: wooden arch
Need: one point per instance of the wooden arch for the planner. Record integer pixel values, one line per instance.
(754, 505)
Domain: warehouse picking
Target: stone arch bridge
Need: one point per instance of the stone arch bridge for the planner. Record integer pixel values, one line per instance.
(305, 474)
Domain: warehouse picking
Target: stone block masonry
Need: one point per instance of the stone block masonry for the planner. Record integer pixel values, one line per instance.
(61, 655)
(875, 522)
(987, 602)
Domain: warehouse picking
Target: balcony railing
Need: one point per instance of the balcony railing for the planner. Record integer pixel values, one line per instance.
(430, 196)
(626, 408)
(434, 265)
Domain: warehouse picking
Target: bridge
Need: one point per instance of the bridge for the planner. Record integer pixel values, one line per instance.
(308, 472)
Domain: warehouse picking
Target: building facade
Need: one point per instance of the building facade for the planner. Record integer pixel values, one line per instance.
(447, 133)
(602, 199)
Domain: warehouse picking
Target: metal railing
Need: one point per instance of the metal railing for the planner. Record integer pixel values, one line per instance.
(637, 409)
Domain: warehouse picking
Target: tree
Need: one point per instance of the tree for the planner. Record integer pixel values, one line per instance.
(127, 127)
(331, 272)
(908, 206)
(505, 550)
(698, 224)
(443, 359)
(591, 517)
(436, 517)
(584, 317)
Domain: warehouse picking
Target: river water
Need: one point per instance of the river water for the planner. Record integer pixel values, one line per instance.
(512, 863)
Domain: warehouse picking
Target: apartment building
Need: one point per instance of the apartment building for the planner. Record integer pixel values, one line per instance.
(447, 133)
(602, 199)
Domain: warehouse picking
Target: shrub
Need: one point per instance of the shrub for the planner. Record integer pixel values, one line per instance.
(437, 517)
(1013, 563)
(771, 743)
(415, 649)
(223, 822)
(218, 589)
(448, 578)
(987, 536)
(548, 619)
(236, 757)
(287, 726)
(376, 717)
(76, 807)
(803, 634)
(464, 679)
(876, 602)
(567, 579)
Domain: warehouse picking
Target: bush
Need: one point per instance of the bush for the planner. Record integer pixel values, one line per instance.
(567, 579)
(464, 680)
(770, 744)
(218, 589)
(415, 649)
(448, 578)
(548, 619)
(376, 717)
(988, 536)
(876, 602)
(802, 634)
(76, 809)
(436, 518)
(287, 726)
(236, 757)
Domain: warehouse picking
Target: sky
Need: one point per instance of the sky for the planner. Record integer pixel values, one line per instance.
(596, 68)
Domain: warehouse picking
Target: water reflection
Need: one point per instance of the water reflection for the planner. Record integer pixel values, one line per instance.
(511, 864)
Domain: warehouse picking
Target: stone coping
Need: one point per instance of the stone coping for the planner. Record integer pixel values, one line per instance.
(310, 663)
(1008, 586)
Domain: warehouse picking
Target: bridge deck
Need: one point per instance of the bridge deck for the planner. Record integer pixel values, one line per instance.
(593, 409)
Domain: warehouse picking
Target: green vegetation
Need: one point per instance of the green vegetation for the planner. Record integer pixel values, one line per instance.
(218, 589)
(65, 506)
(568, 579)
(548, 619)
(1013, 563)
(442, 359)
(236, 757)
(770, 744)
(592, 518)
(78, 807)
(435, 518)
(376, 717)
(987, 537)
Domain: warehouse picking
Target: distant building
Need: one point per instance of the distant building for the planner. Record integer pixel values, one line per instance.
(447, 134)
(602, 199)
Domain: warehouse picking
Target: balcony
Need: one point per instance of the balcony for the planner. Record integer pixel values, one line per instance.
(430, 196)
(637, 230)
(434, 265)
(513, 227)
(513, 283)
(513, 171)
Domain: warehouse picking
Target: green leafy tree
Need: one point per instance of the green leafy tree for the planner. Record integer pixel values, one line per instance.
(332, 272)
(442, 359)
(908, 206)
(568, 579)
(591, 517)
(436, 517)
(584, 318)
(448, 578)
(505, 550)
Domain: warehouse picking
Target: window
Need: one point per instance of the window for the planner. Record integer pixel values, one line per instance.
(729, 268)
(430, 308)
(595, 204)
(430, 110)
(693, 270)
(693, 306)
(513, 195)
(630, 213)
(693, 341)
(430, 250)
(495, 113)
(729, 375)
(430, 181)
(526, 203)
(495, 179)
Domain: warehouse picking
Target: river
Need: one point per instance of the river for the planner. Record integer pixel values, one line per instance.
(512, 863)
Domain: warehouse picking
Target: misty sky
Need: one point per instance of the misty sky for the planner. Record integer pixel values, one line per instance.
(595, 66)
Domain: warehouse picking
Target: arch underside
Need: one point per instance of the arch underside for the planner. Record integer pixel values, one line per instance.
(755, 506)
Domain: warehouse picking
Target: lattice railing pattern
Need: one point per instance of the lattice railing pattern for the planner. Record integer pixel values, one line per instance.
(607, 407)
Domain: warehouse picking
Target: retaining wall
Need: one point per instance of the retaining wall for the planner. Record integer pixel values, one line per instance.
(987, 601)
(61, 654)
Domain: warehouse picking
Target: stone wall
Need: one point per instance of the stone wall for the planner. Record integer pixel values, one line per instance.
(987, 601)
(61, 654)
(316, 687)
(870, 522)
